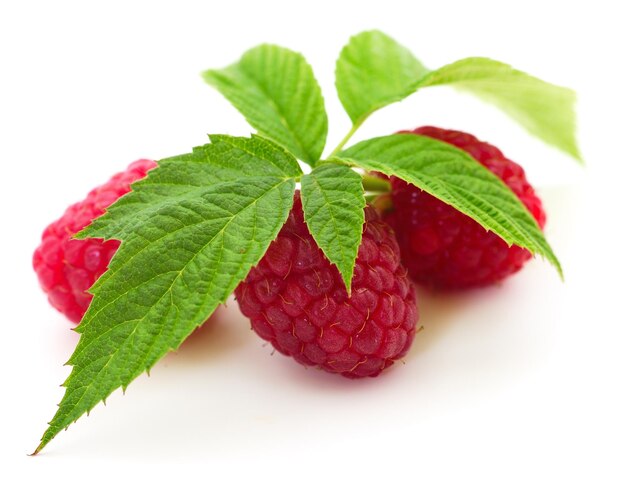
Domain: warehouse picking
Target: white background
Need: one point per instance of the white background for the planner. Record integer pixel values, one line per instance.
(520, 382)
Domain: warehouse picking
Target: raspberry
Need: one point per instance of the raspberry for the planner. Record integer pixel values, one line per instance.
(67, 267)
(445, 249)
(296, 300)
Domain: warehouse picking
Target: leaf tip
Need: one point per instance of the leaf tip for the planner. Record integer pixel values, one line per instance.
(554, 261)
(208, 76)
(348, 282)
(574, 151)
(559, 270)
(41, 445)
(36, 451)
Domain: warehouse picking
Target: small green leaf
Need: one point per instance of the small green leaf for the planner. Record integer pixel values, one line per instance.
(276, 91)
(456, 178)
(373, 70)
(178, 261)
(545, 110)
(333, 203)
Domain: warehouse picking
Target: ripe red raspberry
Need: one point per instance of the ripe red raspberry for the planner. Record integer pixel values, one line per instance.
(297, 300)
(67, 267)
(443, 248)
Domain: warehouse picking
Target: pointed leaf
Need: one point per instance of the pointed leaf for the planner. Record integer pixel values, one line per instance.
(456, 178)
(333, 203)
(182, 258)
(276, 91)
(373, 70)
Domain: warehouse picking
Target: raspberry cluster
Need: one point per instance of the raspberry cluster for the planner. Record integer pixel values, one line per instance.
(67, 267)
(297, 300)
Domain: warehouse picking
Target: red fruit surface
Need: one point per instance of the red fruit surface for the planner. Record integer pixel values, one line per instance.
(445, 249)
(296, 300)
(67, 267)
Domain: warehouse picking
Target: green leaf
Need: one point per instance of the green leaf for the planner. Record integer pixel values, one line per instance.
(373, 70)
(225, 159)
(456, 178)
(276, 91)
(333, 203)
(178, 261)
(545, 110)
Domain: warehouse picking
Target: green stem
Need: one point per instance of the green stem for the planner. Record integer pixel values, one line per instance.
(375, 184)
(347, 137)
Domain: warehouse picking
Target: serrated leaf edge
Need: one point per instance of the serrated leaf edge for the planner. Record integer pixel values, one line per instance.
(346, 276)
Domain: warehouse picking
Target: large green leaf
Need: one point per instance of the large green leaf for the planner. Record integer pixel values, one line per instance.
(456, 178)
(373, 70)
(333, 203)
(181, 257)
(276, 91)
(226, 159)
(545, 110)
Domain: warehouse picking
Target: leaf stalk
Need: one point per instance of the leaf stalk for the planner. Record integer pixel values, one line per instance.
(344, 141)
(375, 184)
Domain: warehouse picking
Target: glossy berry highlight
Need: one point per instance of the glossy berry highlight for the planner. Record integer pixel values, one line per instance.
(295, 298)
